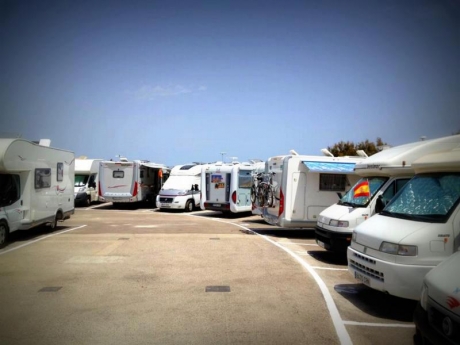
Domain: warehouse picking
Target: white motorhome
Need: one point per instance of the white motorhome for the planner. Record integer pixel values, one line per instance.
(437, 315)
(86, 189)
(384, 174)
(227, 186)
(182, 189)
(35, 185)
(130, 181)
(393, 250)
(304, 186)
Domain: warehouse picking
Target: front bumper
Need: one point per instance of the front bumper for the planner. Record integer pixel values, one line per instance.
(331, 240)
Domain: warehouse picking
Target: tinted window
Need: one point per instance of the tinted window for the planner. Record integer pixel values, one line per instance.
(9, 189)
(42, 178)
(332, 182)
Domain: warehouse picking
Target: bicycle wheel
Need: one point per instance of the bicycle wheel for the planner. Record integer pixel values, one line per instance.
(260, 195)
(253, 194)
(270, 196)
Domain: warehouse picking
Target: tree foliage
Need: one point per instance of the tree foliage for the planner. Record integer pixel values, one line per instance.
(348, 148)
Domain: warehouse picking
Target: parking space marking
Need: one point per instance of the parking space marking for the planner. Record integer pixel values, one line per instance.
(300, 244)
(329, 268)
(371, 324)
(41, 238)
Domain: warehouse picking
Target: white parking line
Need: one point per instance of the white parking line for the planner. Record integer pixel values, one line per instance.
(299, 244)
(369, 324)
(329, 268)
(41, 238)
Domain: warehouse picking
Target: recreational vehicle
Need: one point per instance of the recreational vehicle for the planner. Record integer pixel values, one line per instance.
(303, 186)
(227, 186)
(382, 176)
(35, 185)
(130, 181)
(437, 315)
(86, 181)
(182, 189)
(420, 227)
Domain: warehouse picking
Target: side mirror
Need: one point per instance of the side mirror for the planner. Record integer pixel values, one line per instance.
(379, 204)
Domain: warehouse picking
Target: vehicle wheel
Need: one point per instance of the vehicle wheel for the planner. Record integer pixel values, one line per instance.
(88, 201)
(53, 224)
(189, 205)
(4, 231)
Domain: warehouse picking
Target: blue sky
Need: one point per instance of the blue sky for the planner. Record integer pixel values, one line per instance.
(181, 81)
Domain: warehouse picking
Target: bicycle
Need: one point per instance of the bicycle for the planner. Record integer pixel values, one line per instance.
(262, 190)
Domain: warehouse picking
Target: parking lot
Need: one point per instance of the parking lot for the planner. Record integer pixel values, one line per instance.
(140, 276)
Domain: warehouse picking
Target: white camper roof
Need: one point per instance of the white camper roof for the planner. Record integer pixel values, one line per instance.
(84, 165)
(24, 155)
(186, 170)
(448, 161)
(399, 160)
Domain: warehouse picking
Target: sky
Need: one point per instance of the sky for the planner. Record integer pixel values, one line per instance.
(176, 82)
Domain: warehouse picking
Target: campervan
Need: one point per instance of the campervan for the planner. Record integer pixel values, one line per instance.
(226, 187)
(394, 250)
(437, 315)
(304, 186)
(86, 181)
(35, 185)
(382, 176)
(130, 181)
(182, 189)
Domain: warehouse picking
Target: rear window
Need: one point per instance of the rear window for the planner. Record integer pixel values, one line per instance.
(42, 178)
(118, 174)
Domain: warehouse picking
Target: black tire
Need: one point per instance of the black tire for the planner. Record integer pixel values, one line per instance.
(4, 232)
(88, 201)
(53, 224)
(189, 206)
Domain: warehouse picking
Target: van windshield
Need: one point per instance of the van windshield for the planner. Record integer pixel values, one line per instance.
(81, 180)
(375, 183)
(179, 182)
(426, 198)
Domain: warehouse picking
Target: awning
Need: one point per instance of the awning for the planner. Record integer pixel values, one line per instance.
(330, 167)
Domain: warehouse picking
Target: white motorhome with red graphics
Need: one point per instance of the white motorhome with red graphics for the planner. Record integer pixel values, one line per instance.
(420, 227)
(130, 181)
(385, 173)
(36, 185)
(226, 187)
(303, 186)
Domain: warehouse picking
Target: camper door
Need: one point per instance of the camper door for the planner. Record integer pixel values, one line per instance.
(218, 187)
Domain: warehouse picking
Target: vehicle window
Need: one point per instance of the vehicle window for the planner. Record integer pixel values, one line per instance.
(42, 178)
(244, 179)
(332, 182)
(80, 180)
(118, 174)
(60, 172)
(375, 183)
(9, 189)
(431, 196)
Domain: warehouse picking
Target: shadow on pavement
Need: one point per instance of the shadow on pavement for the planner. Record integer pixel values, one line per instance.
(31, 234)
(377, 303)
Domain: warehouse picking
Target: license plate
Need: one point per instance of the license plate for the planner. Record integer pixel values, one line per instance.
(117, 198)
(321, 244)
(165, 205)
(216, 205)
(362, 278)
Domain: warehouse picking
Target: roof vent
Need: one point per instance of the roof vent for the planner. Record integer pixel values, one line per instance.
(45, 142)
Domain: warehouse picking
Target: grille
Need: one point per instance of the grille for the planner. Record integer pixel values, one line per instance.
(436, 318)
(364, 258)
(370, 272)
(162, 199)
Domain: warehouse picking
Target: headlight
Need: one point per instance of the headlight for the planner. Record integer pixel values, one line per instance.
(339, 223)
(424, 297)
(354, 236)
(398, 249)
(82, 189)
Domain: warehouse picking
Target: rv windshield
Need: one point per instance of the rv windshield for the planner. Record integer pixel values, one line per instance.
(426, 198)
(179, 182)
(375, 183)
(81, 180)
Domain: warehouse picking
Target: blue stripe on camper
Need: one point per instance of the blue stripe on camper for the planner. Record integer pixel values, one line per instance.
(330, 167)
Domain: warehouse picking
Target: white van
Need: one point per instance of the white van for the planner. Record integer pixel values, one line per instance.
(437, 315)
(131, 181)
(182, 189)
(393, 250)
(385, 173)
(227, 186)
(304, 186)
(86, 189)
(35, 185)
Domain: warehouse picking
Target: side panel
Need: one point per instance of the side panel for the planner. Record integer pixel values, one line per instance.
(219, 187)
(298, 195)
